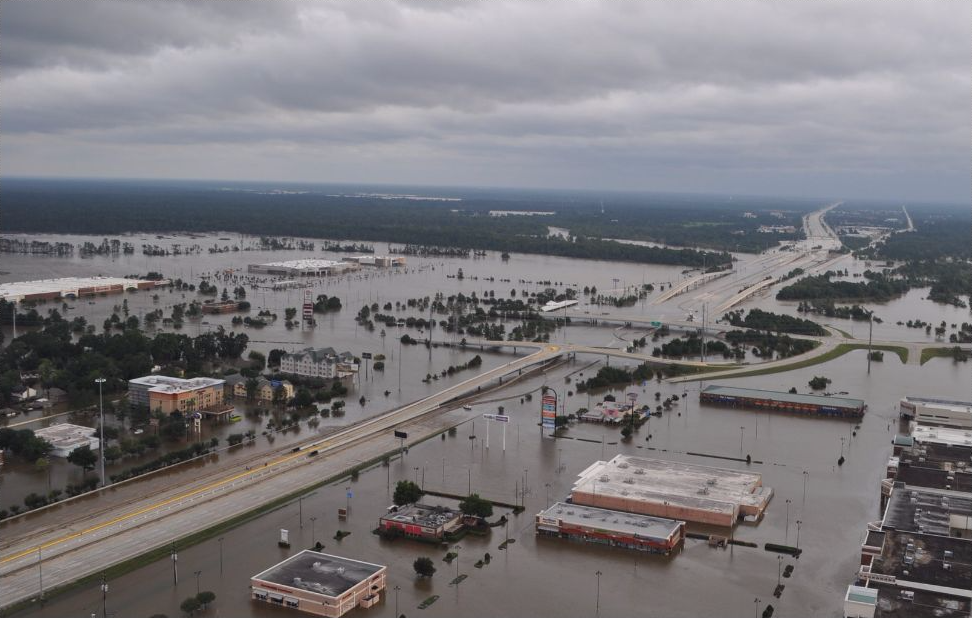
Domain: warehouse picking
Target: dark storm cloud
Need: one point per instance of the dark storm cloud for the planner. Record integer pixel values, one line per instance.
(668, 95)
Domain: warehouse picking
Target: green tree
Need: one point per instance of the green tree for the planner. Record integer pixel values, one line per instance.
(84, 458)
(206, 597)
(303, 398)
(406, 492)
(190, 605)
(424, 566)
(476, 506)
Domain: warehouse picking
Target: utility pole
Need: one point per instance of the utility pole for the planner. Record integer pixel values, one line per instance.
(397, 588)
(798, 523)
(197, 574)
(220, 556)
(101, 445)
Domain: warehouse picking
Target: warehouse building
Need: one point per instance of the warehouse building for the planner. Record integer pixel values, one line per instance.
(319, 584)
(312, 267)
(614, 528)
(72, 287)
(673, 490)
(170, 395)
(818, 405)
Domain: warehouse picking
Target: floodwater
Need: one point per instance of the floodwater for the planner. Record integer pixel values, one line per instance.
(537, 576)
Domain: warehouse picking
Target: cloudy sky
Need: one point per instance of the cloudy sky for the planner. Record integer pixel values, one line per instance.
(817, 98)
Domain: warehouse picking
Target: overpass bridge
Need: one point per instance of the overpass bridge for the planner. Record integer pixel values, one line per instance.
(690, 284)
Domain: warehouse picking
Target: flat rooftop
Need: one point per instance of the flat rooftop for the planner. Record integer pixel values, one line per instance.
(915, 475)
(168, 384)
(752, 393)
(309, 263)
(701, 487)
(422, 515)
(65, 434)
(921, 558)
(64, 286)
(643, 526)
(945, 404)
(925, 434)
(910, 507)
(925, 604)
(319, 573)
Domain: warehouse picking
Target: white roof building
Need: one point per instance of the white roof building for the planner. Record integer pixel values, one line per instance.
(65, 438)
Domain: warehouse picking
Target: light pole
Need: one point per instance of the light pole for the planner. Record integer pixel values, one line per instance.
(597, 606)
(300, 511)
(458, 547)
(798, 523)
(101, 447)
(220, 556)
(197, 574)
(806, 476)
(547, 487)
(40, 572)
(779, 570)
(104, 595)
(757, 606)
(742, 431)
(787, 537)
(397, 588)
(313, 531)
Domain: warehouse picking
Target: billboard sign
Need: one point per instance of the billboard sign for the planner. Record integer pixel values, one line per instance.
(548, 411)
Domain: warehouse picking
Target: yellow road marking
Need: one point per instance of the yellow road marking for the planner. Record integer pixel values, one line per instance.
(151, 507)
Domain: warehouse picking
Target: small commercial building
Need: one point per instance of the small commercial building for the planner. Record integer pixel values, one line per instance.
(319, 584)
(420, 521)
(617, 529)
(64, 438)
(673, 490)
(220, 306)
(811, 405)
(937, 412)
(170, 395)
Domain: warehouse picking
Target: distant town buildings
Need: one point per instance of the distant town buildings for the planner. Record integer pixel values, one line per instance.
(319, 363)
(64, 438)
(673, 490)
(169, 395)
(319, 584)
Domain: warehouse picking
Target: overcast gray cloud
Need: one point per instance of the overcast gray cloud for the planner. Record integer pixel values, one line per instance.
(805, 98)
